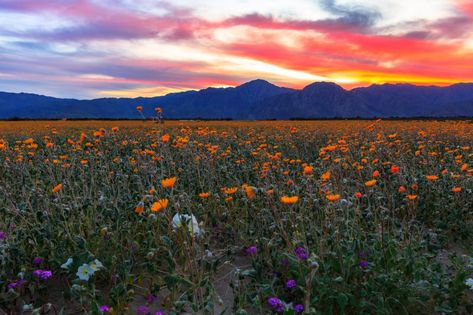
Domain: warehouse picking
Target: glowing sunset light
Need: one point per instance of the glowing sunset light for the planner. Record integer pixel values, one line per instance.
(96, 48)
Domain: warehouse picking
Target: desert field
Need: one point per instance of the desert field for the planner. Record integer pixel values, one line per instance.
(226, 217)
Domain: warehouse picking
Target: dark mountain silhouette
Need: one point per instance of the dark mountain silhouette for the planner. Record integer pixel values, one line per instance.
(258, 99)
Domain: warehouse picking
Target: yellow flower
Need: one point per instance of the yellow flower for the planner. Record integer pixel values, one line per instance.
(159, 205)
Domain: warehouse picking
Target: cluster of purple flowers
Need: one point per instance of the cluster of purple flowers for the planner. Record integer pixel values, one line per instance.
(279, 306)
(43, 274)
(3, 235)
(276, 304)
(301, 253)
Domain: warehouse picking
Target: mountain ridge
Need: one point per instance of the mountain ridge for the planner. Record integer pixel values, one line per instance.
(257, 99)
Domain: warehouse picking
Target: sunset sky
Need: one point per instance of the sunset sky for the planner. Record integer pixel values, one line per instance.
(101, 48)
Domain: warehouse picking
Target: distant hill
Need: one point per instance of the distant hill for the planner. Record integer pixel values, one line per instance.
(258, 99)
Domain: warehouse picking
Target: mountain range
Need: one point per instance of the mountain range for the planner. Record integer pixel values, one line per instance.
(257, 99)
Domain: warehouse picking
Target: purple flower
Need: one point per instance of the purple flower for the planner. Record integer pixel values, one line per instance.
(251, 250)
(43, 274)
(3, 235)
(364, 264)
(299, 308)
(104, 308)
(151, 298)
(142, 310)
(276, 304)
(14, 285)
(301, 253)
(37, 260)
(291, 283)
(285, 262)
(159, 313)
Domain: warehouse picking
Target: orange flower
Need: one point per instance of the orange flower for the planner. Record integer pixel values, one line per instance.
(229, 198)
(456, 189)
(204, 195)
(158, 109)
(168, 182)
(56, 188)
(139, 108)
(250, 192)
(376, 174)
(140, 208)
(151, 191)
(332, 197)
(230, 190)
(308, 170)
(358, 195)
(395, 169)
(370, 183)
(289, 200)
(326, 176)
(432, 177)
(411, 197)
(165, 138)
(159, 205)
(402, 189)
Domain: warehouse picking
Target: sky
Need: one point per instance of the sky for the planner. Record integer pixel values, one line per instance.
(126, 48)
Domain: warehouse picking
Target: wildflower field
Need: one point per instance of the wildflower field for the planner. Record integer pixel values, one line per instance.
(324, 217)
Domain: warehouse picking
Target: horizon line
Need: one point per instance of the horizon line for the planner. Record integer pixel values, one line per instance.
(241, 84)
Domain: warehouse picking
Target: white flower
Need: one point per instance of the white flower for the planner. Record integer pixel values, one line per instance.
(96, 265)
(67, 264)
(179, 219)
(84, 272)
(469, 283)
